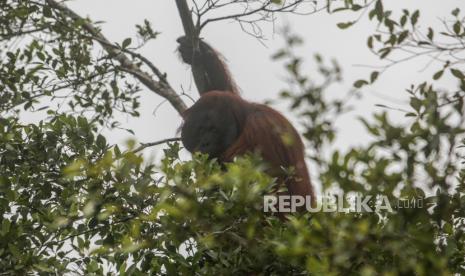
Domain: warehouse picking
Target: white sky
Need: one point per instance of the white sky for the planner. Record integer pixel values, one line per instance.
(259, 77)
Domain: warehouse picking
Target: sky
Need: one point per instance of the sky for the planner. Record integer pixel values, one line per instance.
(259, 77)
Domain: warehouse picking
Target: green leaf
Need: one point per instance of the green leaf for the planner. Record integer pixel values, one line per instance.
(5, 226)
(101, 141)
(457, 27)
(457, 73)
(92, 266)
(339, 9)
(360, 83)
(414, 17)
(126, 42)
(415, 103)
(438, 74)
(410, 114)
(430, 34)
(117, 151)
(403, 20)
(47, 11)
(345, 25)
(11, 56)
(356, 7)
(370, 42)
(374, 76)
(41, 56)
(402, 36)
(14, 250)
(278, 55)
(384, 52)
(379, 10)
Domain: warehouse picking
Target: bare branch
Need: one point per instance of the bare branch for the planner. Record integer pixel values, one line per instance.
(264, 10)
(192, 32)
(186, 18)
(146, 145)
(250, 13)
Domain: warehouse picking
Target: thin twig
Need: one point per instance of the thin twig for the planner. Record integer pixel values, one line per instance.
(146, 145)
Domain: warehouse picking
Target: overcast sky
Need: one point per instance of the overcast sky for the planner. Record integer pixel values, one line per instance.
(258, 76)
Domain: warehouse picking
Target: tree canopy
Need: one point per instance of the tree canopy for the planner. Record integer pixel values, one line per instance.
(72, 203)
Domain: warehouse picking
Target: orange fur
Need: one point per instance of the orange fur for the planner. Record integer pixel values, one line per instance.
(257, 127)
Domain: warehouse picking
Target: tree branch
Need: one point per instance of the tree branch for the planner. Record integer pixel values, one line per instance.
(192, 32)
(160, 87)
(262, 8)
(186, 18)
(146, 145)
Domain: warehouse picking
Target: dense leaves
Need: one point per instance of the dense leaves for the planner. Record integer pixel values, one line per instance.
(72, 203)
(55, 64)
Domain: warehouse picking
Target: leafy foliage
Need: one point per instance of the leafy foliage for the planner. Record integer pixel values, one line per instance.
(55, 63)
(72, 203)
